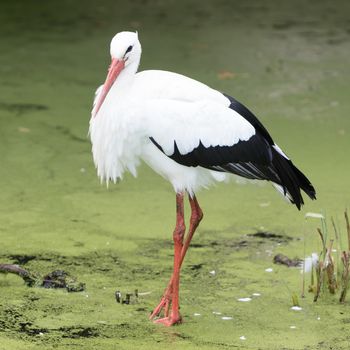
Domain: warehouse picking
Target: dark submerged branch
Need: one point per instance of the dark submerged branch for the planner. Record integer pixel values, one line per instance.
(28, 278)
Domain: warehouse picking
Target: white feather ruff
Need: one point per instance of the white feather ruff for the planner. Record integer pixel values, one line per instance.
(115, 145)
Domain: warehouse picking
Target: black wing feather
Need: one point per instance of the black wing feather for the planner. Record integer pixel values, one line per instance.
(255, 158)
(255, 150)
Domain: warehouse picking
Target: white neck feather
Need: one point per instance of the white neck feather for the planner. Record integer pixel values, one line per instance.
(125, 79)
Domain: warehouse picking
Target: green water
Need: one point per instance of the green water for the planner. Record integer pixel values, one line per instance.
(287, 61)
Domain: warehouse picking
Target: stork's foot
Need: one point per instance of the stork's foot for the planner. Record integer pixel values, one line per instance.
(165, 302)
(164, 305)
(169, 321)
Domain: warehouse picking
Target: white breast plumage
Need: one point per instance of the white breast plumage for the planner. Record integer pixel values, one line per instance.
(115, 145)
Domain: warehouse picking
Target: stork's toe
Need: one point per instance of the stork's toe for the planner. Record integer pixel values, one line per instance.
(169, 321)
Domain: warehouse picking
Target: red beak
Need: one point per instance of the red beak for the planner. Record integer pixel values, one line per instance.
(114, 70)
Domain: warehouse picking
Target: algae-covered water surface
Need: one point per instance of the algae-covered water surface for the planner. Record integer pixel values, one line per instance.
(287, 61)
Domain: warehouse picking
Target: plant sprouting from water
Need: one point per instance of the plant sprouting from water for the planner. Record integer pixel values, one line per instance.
(330, 271)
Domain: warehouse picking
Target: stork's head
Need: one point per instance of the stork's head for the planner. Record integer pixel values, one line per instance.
(125, 51)
(125, 46)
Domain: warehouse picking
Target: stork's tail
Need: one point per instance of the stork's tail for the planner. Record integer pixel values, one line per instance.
(292, 180)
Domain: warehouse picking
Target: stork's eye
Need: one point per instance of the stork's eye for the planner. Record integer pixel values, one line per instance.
(128, 49)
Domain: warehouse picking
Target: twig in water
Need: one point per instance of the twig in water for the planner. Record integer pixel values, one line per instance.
(323, 241)
(55, 279)
(347, 227)
(345, 277)
(28, 278)
(319, 277)
(329, 266)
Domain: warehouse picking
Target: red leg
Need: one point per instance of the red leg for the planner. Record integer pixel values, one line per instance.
(196, 217)
(178, 236)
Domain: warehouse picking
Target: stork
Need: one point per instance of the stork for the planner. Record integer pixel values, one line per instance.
(190, 134)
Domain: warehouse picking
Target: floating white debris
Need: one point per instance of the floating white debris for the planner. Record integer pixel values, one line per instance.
(310, 261)
(196, 314)
(334, 250)
(244, 299)
(22, 129)
(292, 327)
(216, 313)
(242, 337)
(314, 215)
(226, 318)
(264, 204)
(41, 334)
(314, 257)
(296, 308)
(82, 170)
(256, 294)
(269, 269)
(213, 272)
(318, 318)
(144, 293)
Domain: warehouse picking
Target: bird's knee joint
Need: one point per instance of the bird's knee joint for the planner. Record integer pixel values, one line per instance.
(179, 233)
(196, 218)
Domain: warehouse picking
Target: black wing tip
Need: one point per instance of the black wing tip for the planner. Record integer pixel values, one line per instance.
(311, 192)
(304, 183)
(293, 180)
